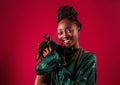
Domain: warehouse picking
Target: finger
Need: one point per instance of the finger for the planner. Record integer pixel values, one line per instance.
(50, 49)
(47, 50)
(44, 53)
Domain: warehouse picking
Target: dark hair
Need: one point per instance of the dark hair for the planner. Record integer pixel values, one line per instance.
(68, 12)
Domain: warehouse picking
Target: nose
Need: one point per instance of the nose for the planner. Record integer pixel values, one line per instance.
(65, 34)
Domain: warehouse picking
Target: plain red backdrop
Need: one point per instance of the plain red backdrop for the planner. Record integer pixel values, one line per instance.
(24, 22)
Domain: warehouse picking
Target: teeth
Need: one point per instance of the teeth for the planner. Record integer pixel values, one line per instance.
(66, 40)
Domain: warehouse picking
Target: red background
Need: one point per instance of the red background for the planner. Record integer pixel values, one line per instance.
(24, 22)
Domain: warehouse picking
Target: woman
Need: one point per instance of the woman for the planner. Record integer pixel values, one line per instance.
(68, 64)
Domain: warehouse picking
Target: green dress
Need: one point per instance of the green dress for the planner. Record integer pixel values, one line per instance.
(80, 68)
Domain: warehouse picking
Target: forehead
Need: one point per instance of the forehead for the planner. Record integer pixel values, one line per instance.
(64, 24)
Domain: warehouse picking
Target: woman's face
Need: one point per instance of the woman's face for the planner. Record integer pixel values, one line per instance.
(68, 33)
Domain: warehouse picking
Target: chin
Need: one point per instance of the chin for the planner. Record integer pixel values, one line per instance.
(68, 45)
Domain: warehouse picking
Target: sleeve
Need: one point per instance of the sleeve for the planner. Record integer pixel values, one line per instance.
(87, 71)
(48, 64)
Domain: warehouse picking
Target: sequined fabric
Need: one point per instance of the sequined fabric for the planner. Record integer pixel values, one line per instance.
(80, 71)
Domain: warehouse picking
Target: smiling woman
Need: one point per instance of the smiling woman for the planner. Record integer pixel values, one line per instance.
(68, 33)
(69, 64)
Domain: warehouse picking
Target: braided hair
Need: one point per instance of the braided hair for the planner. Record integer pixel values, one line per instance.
(68, 12)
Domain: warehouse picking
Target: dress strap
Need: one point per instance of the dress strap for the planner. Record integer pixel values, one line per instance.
(76, 59)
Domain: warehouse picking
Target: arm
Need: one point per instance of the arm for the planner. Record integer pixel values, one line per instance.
(40, 80)
(87, 70)
(44, 67)
(48, 64)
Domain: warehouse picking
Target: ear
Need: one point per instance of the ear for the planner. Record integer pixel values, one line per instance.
(78, 29)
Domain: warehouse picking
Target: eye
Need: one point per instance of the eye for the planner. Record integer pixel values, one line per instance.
(60, 32)
(69, 30)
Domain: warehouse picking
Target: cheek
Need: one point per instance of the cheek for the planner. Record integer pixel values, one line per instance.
(59, 37)
(76, 35)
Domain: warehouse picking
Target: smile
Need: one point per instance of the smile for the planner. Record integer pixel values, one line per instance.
(67, 40)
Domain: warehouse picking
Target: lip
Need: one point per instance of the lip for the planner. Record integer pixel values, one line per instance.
(66, 41)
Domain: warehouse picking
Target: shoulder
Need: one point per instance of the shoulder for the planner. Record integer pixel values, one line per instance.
(88, 56)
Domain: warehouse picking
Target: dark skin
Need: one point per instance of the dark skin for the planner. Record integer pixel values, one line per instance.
(68, 34)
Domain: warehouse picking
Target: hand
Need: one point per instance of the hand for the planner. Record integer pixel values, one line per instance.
(43, 49)
(46, 51)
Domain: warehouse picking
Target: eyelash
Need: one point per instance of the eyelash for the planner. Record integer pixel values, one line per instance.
(60, 33)
(68, 30)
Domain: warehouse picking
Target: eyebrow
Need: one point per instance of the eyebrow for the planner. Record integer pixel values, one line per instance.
(65, 27)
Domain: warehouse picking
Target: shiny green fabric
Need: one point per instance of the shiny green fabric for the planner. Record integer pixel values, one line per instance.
(83, 74)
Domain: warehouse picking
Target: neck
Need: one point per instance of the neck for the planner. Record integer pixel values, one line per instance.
(74, 47)
(77, 46)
